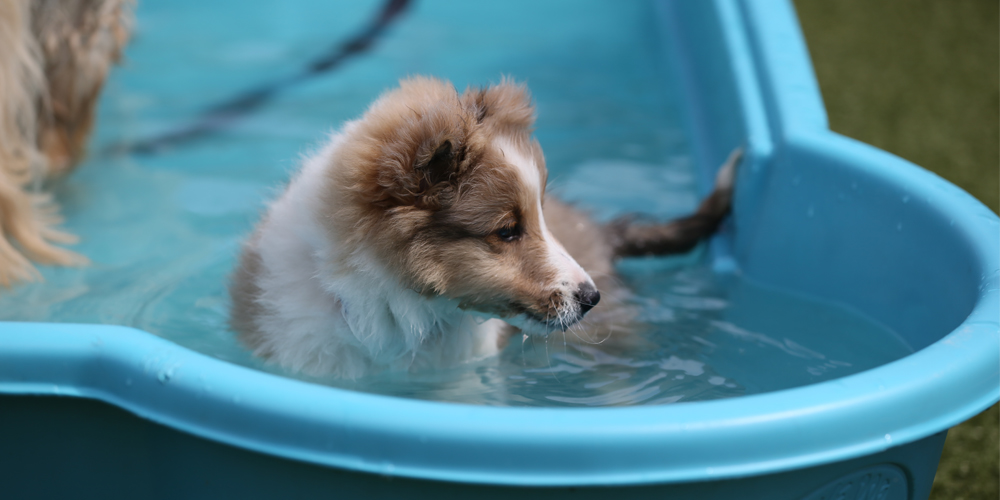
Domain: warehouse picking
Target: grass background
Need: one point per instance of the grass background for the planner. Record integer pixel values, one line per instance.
(921, 79)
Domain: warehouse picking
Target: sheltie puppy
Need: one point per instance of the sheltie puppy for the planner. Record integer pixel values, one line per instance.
(420, 236)
(54, 57)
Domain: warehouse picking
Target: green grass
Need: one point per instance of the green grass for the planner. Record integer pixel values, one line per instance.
(917, 78)
(921, 79)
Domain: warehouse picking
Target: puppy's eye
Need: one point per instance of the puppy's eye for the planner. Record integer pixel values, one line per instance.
(509, 233)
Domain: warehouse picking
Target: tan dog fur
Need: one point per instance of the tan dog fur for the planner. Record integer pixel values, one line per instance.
(55, 58)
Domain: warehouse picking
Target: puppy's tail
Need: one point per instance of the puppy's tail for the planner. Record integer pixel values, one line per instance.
(632, 239)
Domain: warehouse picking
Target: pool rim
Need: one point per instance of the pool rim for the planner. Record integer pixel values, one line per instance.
(835, 420)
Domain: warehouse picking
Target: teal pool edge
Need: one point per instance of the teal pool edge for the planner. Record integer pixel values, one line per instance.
(767, 99)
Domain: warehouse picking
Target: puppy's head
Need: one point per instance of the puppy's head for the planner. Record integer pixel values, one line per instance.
(446, 192)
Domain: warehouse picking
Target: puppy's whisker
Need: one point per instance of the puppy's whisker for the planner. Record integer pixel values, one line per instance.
(611, 331)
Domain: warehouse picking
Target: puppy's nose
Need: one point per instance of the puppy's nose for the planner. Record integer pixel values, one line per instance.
(587, 296)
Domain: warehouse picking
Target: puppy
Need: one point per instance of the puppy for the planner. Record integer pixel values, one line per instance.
(420, 236)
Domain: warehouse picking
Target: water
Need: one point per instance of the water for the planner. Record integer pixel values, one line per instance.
(163, 230)
(709, 337)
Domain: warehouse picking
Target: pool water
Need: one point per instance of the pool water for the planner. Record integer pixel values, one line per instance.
(163, 229)
(710, 337)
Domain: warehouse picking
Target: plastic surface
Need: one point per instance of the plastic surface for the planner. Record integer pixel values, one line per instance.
(815, 212)
(151, 461)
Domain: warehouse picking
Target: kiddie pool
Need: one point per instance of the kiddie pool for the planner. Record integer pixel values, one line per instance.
(114, 412)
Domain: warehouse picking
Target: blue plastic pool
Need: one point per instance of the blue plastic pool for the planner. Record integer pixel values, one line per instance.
(664, 83)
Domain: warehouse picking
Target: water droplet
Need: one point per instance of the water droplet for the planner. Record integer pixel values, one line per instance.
(387, 468)
(854, 185)
(164, 376)
(906, 199)
(796, 180)
(811, 212)
(236, 399)
(128, 381)
(899, 226)
(888, 438)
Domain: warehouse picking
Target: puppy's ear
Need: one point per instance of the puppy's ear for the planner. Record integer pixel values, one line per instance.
(436, 171)
(441, 165)
(506, 105)
(412, 146)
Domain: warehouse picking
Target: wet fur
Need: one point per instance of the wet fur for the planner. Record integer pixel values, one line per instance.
(389, 249)
(54, 58)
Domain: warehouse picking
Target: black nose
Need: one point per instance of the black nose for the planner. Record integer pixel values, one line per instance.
(587, 296)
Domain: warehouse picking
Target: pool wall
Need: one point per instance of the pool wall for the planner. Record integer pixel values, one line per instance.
(121, 413)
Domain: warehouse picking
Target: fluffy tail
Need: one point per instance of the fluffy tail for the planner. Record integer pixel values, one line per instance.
(632, 239)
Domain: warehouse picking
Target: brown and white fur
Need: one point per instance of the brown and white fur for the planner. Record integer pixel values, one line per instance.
(420, 236)
(54, 56)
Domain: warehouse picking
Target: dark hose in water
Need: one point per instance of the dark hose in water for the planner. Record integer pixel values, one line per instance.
(224, 114)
